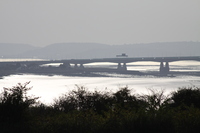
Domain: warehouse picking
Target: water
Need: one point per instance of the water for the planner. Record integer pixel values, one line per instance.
(50, 87)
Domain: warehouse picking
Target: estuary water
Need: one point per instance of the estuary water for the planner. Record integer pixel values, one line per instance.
(50, 87)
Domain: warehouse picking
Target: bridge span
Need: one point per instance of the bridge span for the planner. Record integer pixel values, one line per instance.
(129, 60)
(120, 62)
(164, 68)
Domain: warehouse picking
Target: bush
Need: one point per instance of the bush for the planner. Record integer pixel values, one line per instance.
(82, 100)
(14, 105)
(95, 112)
(186, 97)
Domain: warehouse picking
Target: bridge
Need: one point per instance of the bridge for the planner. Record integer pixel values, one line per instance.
(164, 68)
(120, 62)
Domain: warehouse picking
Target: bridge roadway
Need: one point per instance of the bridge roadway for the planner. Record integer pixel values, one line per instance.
(129, 60)
(164, 68)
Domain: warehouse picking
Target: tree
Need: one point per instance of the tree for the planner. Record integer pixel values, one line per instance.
(186, 97)
(83, 100)
(14, 102)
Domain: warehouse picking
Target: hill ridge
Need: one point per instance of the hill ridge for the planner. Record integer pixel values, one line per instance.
(98, 50)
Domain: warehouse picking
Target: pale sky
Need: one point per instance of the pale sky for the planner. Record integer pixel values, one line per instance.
(43, 22)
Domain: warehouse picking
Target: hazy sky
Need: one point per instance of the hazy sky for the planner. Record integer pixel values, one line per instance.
(43, 22)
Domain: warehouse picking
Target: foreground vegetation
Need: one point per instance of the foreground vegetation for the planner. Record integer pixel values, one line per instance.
(95, 112)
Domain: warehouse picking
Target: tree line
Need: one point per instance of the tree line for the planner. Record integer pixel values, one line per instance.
(88, 112)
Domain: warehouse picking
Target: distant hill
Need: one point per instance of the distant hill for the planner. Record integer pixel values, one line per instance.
(96, 50)
(12, 50)
(67, 51)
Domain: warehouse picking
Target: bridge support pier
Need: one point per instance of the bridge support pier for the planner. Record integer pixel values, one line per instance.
(67, 65)
(167, 67)
(119, 67)
(161, 67)
(81, 66)
(164, 69)
(122, 68)
(76, 66)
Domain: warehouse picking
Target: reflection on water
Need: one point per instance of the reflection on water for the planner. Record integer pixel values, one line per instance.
(50, 87)
(153, 66)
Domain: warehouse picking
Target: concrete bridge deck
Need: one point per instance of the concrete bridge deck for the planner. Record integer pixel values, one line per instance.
(129, 60)
(79, 63)
(112, 60)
